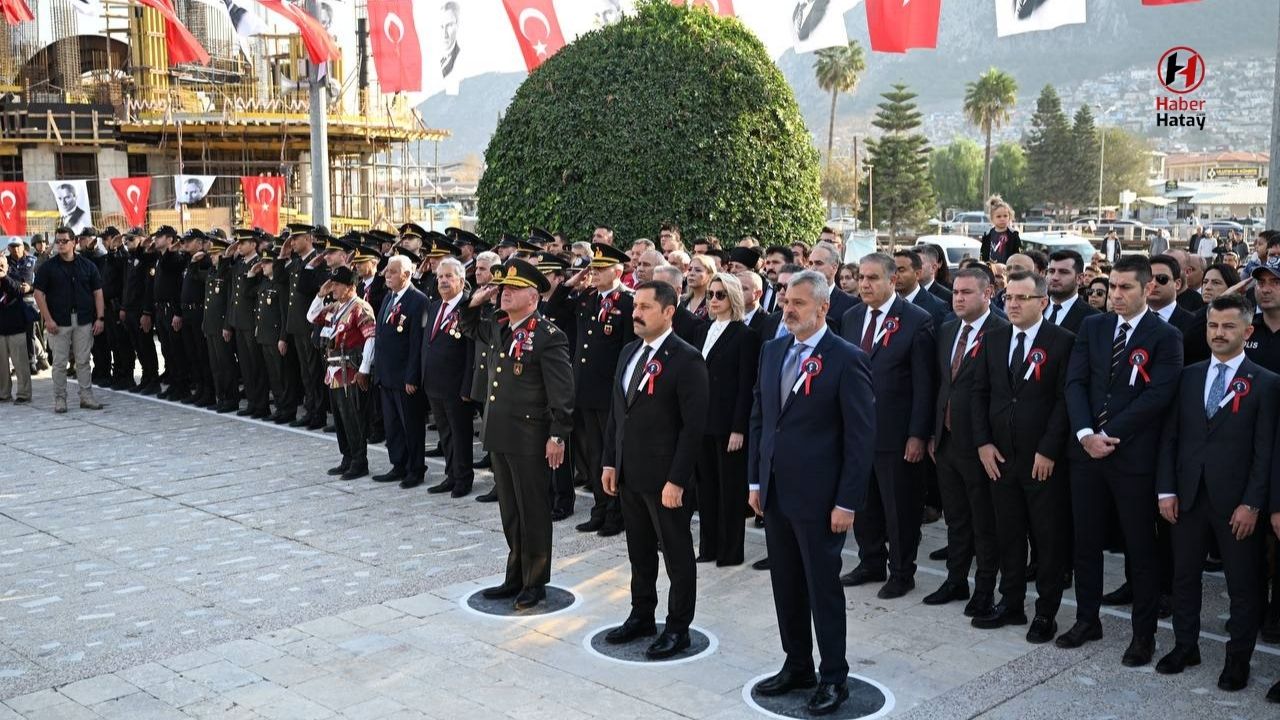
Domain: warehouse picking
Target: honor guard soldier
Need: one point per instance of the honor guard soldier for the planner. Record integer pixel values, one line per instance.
(269, 326)
(307, 272)
(138, 312)
(190, 320)
(528, 406)
(604, 328)
(241, 325)
(347, 327)
(221, 354)
(167, 299)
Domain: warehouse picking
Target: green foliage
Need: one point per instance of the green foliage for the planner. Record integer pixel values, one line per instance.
(839, 182)
(957, 174)
(1009, 176)
(838, 70)
(903, 186)
(986, 104)
(1125, 165)
(1082, 173)
(1049, 152)
(670, 114)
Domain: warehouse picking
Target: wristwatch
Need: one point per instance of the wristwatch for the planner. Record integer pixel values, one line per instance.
(1253, 509)
(557, 439)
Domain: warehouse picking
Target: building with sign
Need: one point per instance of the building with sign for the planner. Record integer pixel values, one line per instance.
(1218, 166)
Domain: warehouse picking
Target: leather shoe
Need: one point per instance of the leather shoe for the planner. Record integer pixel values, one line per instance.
(1079, 634)
(301, 422)
(632, 629)
(947, 592)
(559, 514)
(609, 530)
(1122, 595)
(444, 486)
(530, 597)
(981, 604)
(785, 681)
(462, 489)
(1139, 652)
(1178, 659)
(356, 471)
(705, 559)
(1235, 673)
(939, 554)
(412, 481)
(500, 592)
(392, 475)
(336, 471)
(227, 407)
(491, 496)
(592, 525)
(896, 587)
(668, 644)
(1042, 630)
(1273, 695)
(862, 575)
(761, 564)
(483, 463)
(999, 616)
(435, 452)
(828, 698)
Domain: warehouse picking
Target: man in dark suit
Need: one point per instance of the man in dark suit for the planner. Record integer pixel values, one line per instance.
(966, 491)
(1121, 379)
(1215, 475)
(907, 284)
(812, 394)
(775, 256)
(825, 259)
(1066, 308)
(932, 258)
(898, 337)
(447, 359)
(650, 450)
(1163, 298)
(397, 367)
(1019, 414)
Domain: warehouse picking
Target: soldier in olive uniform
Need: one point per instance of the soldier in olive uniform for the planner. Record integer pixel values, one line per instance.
(306, 273)
(190, 320)
(241, 326)
(220, 352)
(527, 417)
(269, 322)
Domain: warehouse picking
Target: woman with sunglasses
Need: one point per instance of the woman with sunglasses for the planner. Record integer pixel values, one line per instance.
(730, 349)
(1096, 294)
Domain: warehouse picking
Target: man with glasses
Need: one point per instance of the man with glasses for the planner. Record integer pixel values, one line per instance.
(1066, 308)
(68, 291)
(1166, 271)
(825, 259)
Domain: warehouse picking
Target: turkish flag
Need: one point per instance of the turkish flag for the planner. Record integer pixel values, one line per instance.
(1167, 2)
(537, 29)
(133, 193)
(898, 25)
(16, 11)
(13, 208)
(723, 8)
(183, 46)
(397, 52)
(321, 46)
(263, 193)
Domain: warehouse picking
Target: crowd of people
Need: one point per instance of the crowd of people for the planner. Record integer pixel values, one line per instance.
(1047, 409)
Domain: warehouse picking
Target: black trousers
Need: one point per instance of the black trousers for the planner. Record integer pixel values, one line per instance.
(123, 355)
(888, 528)
(722, 493)
(1240, 562)
(1026, 508)
(562, 494)
(222, 368)
(453, 423)
(273, 363)
(589, 426)
(290, 381)
(970, 515)
(348, 421)
(144, 345)
(1095, 484)
(648, 523)
(310, 375)
(103, 344)
(252, 370)
(193, 348)
(176, 370)
(403, 417)
(804, 569)
(523, 484)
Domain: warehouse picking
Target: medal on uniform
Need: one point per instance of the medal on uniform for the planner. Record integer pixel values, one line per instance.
(517, 368)
(608, 329)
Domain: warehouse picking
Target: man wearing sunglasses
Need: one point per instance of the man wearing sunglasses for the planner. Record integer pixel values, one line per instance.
(68, 290)
(1166, 272)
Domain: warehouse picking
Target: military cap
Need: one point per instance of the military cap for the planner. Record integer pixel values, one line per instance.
(342, 244)
(413, 230)
(247, 235)
(441, 247)
(541, 237)
(461, 237)
(165, 231)
(380, 237)
(299, 229)
(519, 274)
(748, 257)
(550, 262)
(89, 232)
(195, 234)
(604, 255)
(218, 246)
(110, 231)
(413, 257)
(218, 233)
(366, 253)
(354, 237)
(343, 276)
(509, 240)
(131, 232)
(268, 254)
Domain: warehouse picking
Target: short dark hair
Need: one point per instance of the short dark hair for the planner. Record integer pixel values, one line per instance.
(1038, 259)
(1230, 275)
(930, 249)
(782, 250)
(662, 292)
(1233, 301)
(1168, 261)
(790, 268)
(1077, 260)
(912, 256)
(669, 227)
(1273, 238)
(979, 272)
(827, 229)
(64, 230)
(1141, 266)
(1037, 280)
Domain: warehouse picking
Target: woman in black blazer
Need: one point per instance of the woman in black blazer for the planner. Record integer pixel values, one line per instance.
(731, 350)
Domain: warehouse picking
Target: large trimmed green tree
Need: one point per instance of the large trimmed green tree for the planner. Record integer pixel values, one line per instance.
(900, 162)
(671, 114)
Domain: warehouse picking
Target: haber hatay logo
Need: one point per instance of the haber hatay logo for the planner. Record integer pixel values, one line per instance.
(1181, 70)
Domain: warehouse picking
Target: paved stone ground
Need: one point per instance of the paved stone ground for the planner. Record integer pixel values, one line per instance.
(158, 561)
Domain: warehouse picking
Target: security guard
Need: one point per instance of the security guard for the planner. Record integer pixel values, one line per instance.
(220, 353)
(527, 417)
(241, 325)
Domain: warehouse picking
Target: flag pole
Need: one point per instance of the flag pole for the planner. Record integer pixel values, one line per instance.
(319, 138)
(1273, 189)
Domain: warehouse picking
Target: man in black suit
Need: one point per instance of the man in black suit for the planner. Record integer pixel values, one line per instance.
(812, 394)
(650, 450)
(932, 258)
(825, 259)
(898, 337)
(752, 314)
(1121, 379)
(775, 256)
(773, 327)
(906, 281)
(686, 324)
(1163, 298)
(1019, 414)
(1066, 308)
(447, 358)
(397, 366)
(1215, 476)
(966, 492)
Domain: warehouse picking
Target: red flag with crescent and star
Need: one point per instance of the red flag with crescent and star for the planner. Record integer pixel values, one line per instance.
(16, 11)
(321, 46)
(723, 8)
(133, 192)
(537, 29)
(264, 193)
(183, 46)
(397, 52)
(899, 25)
(13, 208)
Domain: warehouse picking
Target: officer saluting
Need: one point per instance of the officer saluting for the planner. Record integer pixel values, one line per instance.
(527, 416)
(348, 326)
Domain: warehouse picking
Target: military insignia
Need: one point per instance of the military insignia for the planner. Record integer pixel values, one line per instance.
(268, 299)
(518, 368)
(153, 272)
(608, 329)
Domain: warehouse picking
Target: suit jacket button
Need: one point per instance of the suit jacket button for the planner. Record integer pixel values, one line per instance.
(499, 369)
(495, 383)
(492, 398)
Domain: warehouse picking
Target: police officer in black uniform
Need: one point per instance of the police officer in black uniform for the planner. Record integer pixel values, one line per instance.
(241, 326)
(138, 310)
(190, 322)
(167, 297)
(114, 267)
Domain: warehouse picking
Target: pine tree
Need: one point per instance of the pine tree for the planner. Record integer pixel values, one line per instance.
(1083, 170)
(900, 160)
(1049, 155)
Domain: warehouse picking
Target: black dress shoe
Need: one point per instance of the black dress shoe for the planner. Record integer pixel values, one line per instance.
(592, 525)
(462, 490)
(1273, 695)
(331, 428)
(281, 419)
(434, 453)
(761, 564)
(318, 424)
(1139, 652)
(301, 422)
(483, 463)
(828, 698)
(335, 471)
(1042, 630)
(392, 475)
(444, 486)
(356, 471)
(999, 616)
(939, 554)
(1079, 634)
(705, 558)
(1212, 564)
(611, 530)
(947, 592)
(1164, 607)
(530, 597)
(1178, 659)
(151, 388)
(559, 514)
(896, 587)
(245, 412)
(669, 643)
(632, 629)
(500, 592)
(491, 496)
(1235, 673)
(1122, 595)
(786, 681)
(412, 481)
(982, 604)
(263, 414)
(862, 575)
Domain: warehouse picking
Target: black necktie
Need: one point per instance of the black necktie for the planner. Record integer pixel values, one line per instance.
(1019, 365)
(1053, 316)
(637, 374)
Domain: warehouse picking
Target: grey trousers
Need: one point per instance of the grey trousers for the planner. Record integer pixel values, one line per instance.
(13, 349)
(71, 341)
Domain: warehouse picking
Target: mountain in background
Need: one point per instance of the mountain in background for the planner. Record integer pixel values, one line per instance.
(1120, 34)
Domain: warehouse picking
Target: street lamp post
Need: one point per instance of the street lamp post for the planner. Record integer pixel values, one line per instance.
(871, 199)
(1102, 163)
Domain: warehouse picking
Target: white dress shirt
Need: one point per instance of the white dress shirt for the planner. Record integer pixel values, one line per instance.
(635, 357)
(884, 313)
(911, 296)
(1165, 312)
(1233, 366)
(714, 331)
(973, 334)
(1133, 326)
(1065, 306)
(1027, 344)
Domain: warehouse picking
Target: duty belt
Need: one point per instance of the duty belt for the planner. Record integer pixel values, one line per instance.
(352, 359)
(192, 306)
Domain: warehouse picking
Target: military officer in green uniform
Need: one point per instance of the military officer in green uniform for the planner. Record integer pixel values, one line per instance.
(222, 358)
(241, 325)
(269, 324)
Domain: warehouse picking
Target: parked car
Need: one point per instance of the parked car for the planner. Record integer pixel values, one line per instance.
(1051, 242)
(957, 247)
(973, 224)
(1225, 227)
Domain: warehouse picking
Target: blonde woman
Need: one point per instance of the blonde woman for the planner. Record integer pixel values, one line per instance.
(1001, 240)
(701, 269)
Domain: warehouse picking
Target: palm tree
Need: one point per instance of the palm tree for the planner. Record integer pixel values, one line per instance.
(838, 70)
(986, 104)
